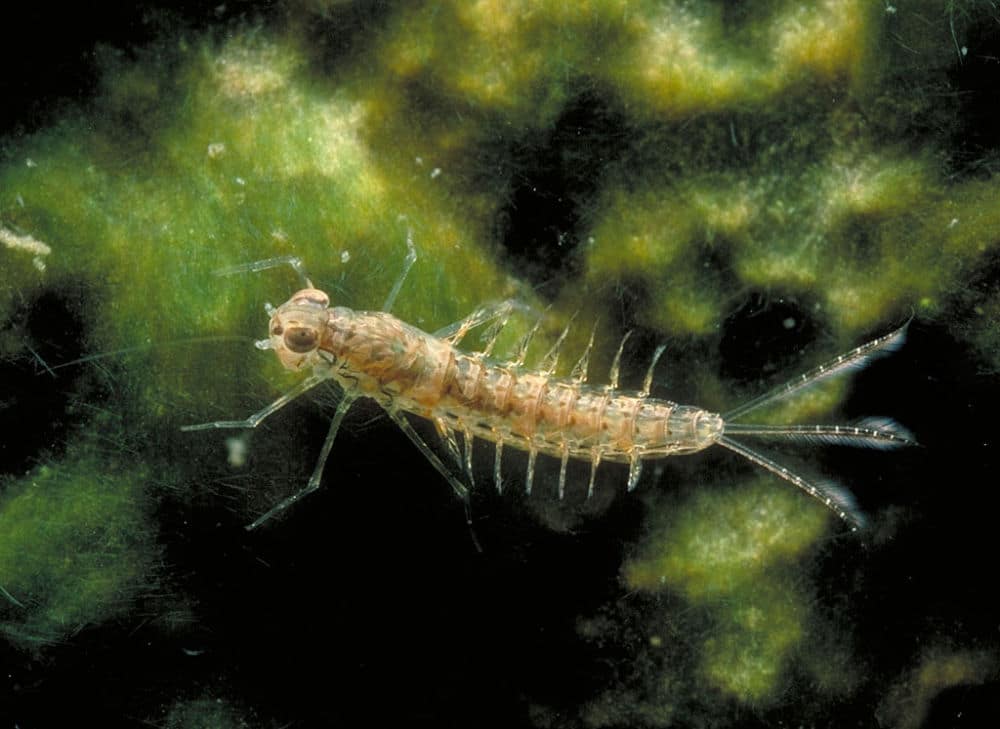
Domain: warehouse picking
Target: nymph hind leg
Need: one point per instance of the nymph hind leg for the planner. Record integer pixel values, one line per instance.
(317, 474)
(457, 486)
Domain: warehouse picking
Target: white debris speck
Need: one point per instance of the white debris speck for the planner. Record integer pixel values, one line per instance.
(30, 162)
(435, 173)
(345, 256)
(216, 150)
(237, 449)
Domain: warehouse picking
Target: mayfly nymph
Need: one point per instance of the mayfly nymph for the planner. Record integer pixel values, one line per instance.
(469, 395)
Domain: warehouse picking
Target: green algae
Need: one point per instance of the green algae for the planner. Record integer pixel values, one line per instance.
(726, 614)
(939, 668)
(735, 553)
(726, 540)
(76, 547)
(796, 219)
(746, 656)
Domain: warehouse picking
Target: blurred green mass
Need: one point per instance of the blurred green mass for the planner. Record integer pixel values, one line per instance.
(76, 546)
(728, 612)
(800, 150)
(734, 555)
(940, 668)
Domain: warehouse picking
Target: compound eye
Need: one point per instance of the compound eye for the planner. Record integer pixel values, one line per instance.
(301, 339)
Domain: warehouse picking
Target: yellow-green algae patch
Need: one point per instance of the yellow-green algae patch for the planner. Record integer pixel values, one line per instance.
(940, 667)
(722, 540)
(734, 554)
(757, 632)
(759, 154)
(687, 57)
(832, 231)
(76, 546)
(825, 205)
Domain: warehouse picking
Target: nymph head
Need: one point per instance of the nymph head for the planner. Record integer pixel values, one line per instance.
(296, 329)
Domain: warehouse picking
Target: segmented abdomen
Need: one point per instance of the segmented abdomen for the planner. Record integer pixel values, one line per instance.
(411, 370)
